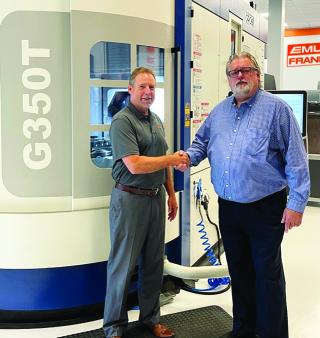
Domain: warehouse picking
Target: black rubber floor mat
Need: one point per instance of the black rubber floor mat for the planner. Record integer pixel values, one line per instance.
(206, 322)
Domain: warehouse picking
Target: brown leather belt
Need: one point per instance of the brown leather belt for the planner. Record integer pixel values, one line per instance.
(137, 191)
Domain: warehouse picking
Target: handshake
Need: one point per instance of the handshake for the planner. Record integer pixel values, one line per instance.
(180, 160)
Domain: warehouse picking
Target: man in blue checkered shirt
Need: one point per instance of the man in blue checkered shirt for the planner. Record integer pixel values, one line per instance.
(256, 154)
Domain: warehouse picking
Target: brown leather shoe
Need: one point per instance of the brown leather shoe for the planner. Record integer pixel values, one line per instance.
(162, 331)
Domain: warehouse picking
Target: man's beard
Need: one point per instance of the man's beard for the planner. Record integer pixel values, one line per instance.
(241, 91)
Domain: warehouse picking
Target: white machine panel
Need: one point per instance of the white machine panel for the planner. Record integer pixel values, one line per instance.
(211, 48)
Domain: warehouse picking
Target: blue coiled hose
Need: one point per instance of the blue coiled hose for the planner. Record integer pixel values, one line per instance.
(213, 282)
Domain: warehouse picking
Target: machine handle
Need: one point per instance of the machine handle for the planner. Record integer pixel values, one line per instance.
(178, 176)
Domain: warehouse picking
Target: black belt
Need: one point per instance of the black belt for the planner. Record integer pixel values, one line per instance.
(137, 191)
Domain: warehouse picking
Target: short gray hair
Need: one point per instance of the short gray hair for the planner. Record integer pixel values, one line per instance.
(243, 55)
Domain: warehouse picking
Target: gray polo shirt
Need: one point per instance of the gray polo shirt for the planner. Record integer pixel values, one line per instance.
(133, 133)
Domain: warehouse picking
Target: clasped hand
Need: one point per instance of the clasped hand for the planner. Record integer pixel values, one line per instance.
(182, 160)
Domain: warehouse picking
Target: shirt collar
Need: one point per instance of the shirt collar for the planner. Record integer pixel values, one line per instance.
(251, 100)
(138, 113)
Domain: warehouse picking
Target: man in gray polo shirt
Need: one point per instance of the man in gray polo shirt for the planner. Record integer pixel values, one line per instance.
(141, 171)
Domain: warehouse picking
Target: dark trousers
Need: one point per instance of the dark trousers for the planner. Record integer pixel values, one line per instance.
(252, 234)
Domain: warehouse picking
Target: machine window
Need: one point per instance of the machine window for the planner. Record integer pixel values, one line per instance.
(100, 149)
(105, 102)
(110, 61)
(233, 42)
(152, 57)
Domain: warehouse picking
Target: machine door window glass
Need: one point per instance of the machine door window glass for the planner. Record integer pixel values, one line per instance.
(105, 102)
(110, 61)
(233, 42)
(235, 38)
(152, 57)
(100, 149)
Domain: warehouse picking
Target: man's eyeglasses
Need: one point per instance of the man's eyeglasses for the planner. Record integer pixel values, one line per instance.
(243, 70)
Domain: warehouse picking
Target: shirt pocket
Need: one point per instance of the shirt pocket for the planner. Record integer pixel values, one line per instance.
(256, 142)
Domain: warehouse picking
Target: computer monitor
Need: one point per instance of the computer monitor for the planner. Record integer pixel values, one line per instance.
(297, 100)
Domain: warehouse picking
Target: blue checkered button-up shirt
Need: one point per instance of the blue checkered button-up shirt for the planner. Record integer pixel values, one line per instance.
(254, 150)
